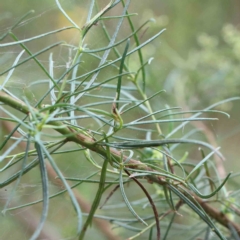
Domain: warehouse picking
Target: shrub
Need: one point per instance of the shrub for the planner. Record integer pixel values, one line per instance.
(90, 116)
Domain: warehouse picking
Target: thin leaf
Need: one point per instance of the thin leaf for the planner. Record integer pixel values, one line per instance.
(169, 227)
(128, 204)
(12, 69)
(157, 143)
(197, 114)
(65, 14)
(211, 194)
(119, 84)
(201, 163)
(72, 197)
(44, 180)
(97, 199)
(139, 50)
(34, 38)
(197, 210)
(168, 121)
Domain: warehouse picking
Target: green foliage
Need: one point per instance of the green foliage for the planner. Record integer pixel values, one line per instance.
(213, 64)
(87, 108)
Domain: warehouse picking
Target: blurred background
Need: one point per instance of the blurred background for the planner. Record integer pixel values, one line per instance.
(196, 60)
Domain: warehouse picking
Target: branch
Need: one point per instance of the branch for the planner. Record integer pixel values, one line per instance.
(90, 143)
